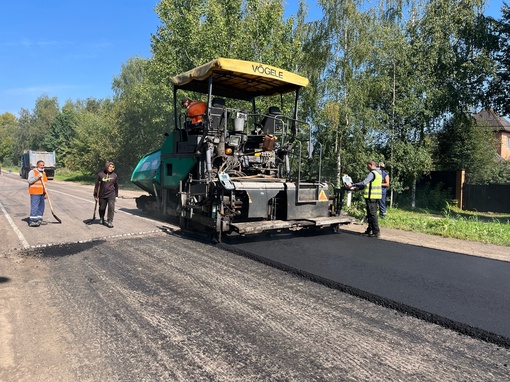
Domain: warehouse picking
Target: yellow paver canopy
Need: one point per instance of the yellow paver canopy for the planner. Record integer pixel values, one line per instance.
(239, 79)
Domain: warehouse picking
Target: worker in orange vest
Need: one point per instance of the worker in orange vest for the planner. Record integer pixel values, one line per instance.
(36, 178)
(195, 111)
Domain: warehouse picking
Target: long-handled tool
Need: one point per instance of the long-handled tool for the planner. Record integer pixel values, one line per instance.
(95, 206)
(49, 201)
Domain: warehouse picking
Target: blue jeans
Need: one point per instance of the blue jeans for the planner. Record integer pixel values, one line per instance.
(36, 207)
(382, 202)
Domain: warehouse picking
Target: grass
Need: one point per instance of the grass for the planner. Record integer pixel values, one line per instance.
(78, 177)
(12, 169)
(74, 176)
(480, 227)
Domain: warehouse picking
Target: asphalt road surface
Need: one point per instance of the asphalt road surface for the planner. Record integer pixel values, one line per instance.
(466, 293)
(142, 302)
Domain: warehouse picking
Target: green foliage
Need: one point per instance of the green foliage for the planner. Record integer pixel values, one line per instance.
(45, 111)
(193, 33)
(453, 38)
(61, 133)
(500, 172)
(96, 141)
(7, 136)
(464, 145)
(140, 115)
(434, 198)
(499, 89)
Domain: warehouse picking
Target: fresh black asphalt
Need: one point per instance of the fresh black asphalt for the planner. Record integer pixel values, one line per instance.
(466, 293)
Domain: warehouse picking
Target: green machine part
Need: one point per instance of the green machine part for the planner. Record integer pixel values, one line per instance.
(147, 173)
(165, 167)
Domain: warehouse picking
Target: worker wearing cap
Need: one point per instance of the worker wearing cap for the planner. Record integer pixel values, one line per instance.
(385, 184)
(372, 193)
(195, 111)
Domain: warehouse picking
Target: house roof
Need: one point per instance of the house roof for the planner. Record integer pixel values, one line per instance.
(492, 120)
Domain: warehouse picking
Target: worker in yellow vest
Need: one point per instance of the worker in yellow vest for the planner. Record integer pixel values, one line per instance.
(372, 192)
(36, 177)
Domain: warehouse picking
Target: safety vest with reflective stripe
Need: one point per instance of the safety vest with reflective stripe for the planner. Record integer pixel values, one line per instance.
(373, 190)
(37, 188)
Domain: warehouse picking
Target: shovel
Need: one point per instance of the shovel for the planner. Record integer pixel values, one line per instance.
(49, 202)
(95, 207)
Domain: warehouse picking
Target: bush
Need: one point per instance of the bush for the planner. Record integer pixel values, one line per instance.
(435, 198)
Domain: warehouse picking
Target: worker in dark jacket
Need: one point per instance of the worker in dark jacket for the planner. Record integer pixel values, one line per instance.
(106, 191)
(372, 192)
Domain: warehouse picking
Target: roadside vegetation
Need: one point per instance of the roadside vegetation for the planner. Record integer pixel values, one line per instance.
(75, 176)
(78, 177)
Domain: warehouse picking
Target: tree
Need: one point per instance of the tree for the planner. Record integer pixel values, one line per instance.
(95, 141)
(453, 37)
(23, 136)
(193, 33)
(46, 109)
(499, 91)
(369, 78)
(61, 133)
(139, 113)
(341, 47)
(7, 134)
(463, 144)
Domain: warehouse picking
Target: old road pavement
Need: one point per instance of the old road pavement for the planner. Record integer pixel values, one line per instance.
(142, 302)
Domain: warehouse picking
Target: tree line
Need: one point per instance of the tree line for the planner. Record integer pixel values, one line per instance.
(392, 81)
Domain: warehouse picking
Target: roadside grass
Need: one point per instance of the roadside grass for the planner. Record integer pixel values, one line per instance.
(453, 223)
(11, 169)
(74, 176)
(78, 177)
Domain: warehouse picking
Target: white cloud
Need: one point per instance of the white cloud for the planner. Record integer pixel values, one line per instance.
(42, 89)
(28, 43)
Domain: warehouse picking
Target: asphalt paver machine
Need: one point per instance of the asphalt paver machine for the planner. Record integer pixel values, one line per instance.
(245, 168)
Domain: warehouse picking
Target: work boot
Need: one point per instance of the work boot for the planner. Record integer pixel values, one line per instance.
(109, 224)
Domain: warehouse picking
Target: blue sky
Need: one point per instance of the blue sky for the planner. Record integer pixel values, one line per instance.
(72, 49)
